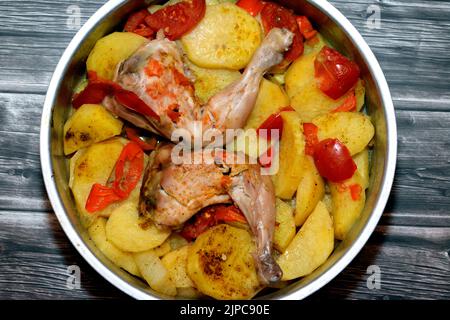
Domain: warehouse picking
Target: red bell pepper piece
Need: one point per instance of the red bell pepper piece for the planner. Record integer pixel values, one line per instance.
(310, 131)
(131, 100)
(209, 217)
(355, 191)
(253, 7)
(133, 135)
(100, 197)
(129, 168)
(348, 105)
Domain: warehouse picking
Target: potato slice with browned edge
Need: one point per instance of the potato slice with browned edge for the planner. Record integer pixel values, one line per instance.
(309, 192)
(176, 263)
(292, 150)
(284, 226)
(110, 50)
(154, 272)
(89, 124)
(128, 232)
(353, 129)
(271, 97)
(121, 258)
(208, 82)
(311, 246)
(225, 38)
(347, 200)
(221, 265)
(94, 165)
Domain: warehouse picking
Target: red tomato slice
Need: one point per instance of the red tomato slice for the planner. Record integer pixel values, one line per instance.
(135, 20)
(253, 7)
(275, 122)
(177, 19)
(275, 16)
(129, 168)
(100, 197)
(335, 74)
(133, 135)
(333, 160)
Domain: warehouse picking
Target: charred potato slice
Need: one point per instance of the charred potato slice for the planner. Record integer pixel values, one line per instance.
(130, 233)
(89, 124)
(225, 38)
(221, 265)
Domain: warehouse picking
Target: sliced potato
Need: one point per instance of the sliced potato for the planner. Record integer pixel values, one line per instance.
(162, 249)
(292, 150)
(208, 82)
(347, 200)
(271, 97)
(328, 202)
(311, 246)
(110, 50)
(94, 165)
(125, 229)
(360, 94)
(353, 129)
(189, 293)
(306, 98)
(250, 143)
(176, 263)
(124, 260)
(284, 226)
(309, 192)
(225, 38)
(221, 265)
(154, 272)
(362, 162)
(89, 124)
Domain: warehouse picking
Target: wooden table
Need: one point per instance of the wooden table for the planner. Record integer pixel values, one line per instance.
(411, 244)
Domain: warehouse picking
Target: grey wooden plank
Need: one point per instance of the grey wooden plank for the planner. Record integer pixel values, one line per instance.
(414, 263)
(417, 199)
(410, 45)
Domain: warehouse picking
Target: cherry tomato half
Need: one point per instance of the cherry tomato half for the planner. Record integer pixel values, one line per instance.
(335, 73)
(333, 160)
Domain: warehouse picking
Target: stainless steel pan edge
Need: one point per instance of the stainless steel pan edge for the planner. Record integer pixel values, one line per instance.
(380, 108)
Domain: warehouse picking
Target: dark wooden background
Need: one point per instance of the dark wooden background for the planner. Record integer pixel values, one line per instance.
(411, 244)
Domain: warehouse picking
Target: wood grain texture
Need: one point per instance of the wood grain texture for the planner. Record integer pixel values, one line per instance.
(411, 245)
